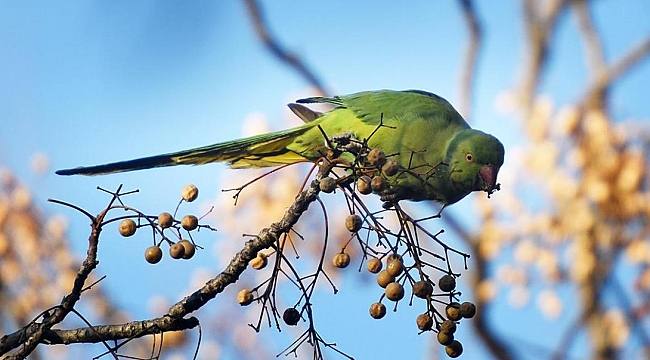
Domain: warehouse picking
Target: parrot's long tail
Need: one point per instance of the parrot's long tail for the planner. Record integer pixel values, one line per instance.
(255, 151)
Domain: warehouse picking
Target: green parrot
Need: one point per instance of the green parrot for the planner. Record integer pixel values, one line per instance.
(439, 156)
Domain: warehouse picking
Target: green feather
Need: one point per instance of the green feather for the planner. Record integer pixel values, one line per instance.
(421, 131)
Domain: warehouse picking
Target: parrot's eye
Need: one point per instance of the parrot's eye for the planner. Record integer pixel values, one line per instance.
(469, 157)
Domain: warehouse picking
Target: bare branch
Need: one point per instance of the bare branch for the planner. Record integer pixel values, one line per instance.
(274, 46)
(471, 57)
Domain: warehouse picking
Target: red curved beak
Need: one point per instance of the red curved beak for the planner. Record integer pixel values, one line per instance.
(487, 177)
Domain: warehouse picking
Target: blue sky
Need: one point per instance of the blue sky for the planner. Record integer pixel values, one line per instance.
(92, 82)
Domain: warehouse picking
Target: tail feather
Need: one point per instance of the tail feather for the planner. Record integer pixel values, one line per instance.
(255, 151)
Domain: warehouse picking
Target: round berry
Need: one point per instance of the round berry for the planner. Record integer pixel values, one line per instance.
(384, 278)
(189, 222)
(153, 254)
(376, 157)
(448, 327)
(424, 322)
(378, 184)
(377, 310)
(390, 168)
(190, 192)
(165, 220)
(291, 316)
(353, 222)
(189, 248)
(453, 312)
(341, 260)
(467, 310)
(176, 251)
(363, 185)
(327, 185)
(394, 291)
(454, 350)
(422, 289)
(374, 265)
(259, 262)
(444, 338)
(244, 297)
(395, 267)
(127, 227)
(447, 283)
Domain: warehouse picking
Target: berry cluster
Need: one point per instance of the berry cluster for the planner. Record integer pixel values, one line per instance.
(163, 224)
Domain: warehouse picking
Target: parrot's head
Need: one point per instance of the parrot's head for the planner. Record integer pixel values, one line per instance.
(474, 160)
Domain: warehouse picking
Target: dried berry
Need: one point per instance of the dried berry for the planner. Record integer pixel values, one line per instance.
(395, 267)
(190, 192)
(127, 227)
(454, 350)
(176, 251)
(291, 316)
(374, 265)
(467, 310)
(341, 260)
(153, 254)
(376, 157)
(422, 289)
(390, 168)
(447, 283)
(244, 297)
(424, 322)
(327, 185)
(165, 220)
(453, 312)
(377, 310)
(448, 327)
(189, 222)
(394, 291)
(189, 248)
(384, 278)
(353, 222)
(378, 184)
(444, 338)
(363, 185)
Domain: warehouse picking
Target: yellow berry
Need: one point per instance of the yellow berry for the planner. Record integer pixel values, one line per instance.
(190, 192)
(189, 248)
(244, 297)
(353, 222)
(165, 220)
(153, 254)
(127, 227)
(377, 310)
(384, 278)
(176, 251)
(363, 185)
(374, 265)
(394, 291)
(189, 222)
(259, 262)
(341, 260)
